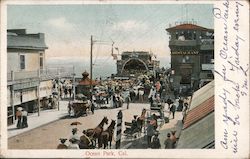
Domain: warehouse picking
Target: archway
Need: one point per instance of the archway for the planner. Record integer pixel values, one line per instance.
(134, 66)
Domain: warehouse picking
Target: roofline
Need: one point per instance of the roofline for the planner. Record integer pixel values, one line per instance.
(27, 47)
(200, 27)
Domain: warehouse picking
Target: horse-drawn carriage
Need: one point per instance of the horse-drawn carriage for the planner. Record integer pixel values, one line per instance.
(157, 107)
(134, 128)
(79, 108)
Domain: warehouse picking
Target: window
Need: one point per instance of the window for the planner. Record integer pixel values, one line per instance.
(22, 62)
(41, 60)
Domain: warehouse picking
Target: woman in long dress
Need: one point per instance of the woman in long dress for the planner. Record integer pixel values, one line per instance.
(19, 118)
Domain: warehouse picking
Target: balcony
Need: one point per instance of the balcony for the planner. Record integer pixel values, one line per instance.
(183, 42)
(43, 74)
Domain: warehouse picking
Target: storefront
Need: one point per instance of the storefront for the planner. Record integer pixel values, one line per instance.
(46, 89)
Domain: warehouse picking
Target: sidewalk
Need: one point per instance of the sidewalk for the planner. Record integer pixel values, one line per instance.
(34, 121)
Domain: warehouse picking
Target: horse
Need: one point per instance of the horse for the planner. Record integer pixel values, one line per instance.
(107, 135)
(140, 120)
(96, 132)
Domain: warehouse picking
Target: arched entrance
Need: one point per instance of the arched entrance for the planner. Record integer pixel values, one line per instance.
(134, 66)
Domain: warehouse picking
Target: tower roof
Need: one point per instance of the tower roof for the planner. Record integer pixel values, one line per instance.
(188, 27)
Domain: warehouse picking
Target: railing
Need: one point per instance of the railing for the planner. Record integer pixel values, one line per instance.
(183, 42)
(25, 75)
(48, 73)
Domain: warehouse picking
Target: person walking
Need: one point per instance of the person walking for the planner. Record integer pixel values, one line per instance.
(168, 142)
(25, 119)
(156, 141)
(92, 106)
(127, 99)
(150, 133)
(70, 91)
(65, 92)
(173, 138)
(141, 93)
(173, 109)
(19, 117)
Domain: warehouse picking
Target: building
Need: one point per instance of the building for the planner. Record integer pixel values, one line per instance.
(198, 130)
(192, 54)
(29, 82)
(136, 63)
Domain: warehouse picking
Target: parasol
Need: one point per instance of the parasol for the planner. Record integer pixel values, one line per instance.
(76, 123)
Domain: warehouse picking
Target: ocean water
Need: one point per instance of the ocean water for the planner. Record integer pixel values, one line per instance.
(102, 67)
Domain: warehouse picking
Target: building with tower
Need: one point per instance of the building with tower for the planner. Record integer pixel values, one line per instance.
(192, 56)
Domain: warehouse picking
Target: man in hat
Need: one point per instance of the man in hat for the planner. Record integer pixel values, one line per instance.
(168, 142)
(74, 134)
(173, 109)
(127, 99)
(62, 144)
(150, 133)
(156, 142)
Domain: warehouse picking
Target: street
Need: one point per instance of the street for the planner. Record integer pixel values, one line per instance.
(47, 136)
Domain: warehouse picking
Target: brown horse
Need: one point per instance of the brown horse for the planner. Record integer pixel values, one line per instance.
(141, 119)
(96, 132)
(107, 135)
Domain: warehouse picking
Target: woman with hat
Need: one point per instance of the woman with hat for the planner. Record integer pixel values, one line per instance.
(25, 119)
(168, 142)
(19, 117)
(74, 134)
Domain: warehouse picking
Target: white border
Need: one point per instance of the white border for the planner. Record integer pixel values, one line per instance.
(218, 152)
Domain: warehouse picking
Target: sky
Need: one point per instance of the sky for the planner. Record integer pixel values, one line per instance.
(132, 27)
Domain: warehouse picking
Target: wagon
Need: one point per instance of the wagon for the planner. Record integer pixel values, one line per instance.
(80, 108)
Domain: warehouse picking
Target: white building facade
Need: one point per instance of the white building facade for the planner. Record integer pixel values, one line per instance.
(25, 60)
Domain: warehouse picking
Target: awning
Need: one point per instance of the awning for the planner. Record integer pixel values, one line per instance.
(199, 135)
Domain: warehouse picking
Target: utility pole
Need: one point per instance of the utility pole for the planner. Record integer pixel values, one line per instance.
(74, 82)
(91, 67)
